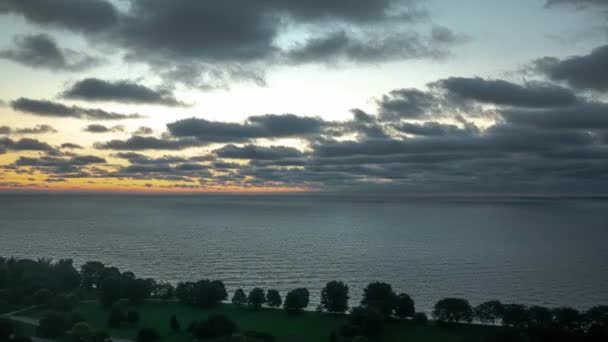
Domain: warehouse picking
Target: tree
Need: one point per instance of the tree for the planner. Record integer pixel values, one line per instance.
(63, 302)
(148, 335)
(539, 317)
(515, 315)
(174, 324)
(405, 306)
(42, 296)
(420, 318)
(81, 332)
(203, 293)
(162, 290)
(137, 289)
(273, 298)
(90, 273)
(239, 298)
(488, 312)
(256, 298)
(296, 300)
(453, 310)
(334, 297)
(52, 326)
(568, 319)
(598, 315)
(110, 291)
(381, 297)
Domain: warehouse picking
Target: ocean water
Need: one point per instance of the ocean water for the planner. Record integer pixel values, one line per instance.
(531, 251)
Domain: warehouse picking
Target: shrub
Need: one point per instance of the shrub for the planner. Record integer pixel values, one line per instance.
(174, 323)
(52, 326)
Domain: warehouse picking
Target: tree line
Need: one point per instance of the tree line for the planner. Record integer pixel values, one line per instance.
(59, 285)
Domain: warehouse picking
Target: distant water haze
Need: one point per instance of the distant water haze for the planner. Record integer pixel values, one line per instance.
(533, 251)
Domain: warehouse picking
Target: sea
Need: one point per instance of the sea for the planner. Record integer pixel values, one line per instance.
(545, 251)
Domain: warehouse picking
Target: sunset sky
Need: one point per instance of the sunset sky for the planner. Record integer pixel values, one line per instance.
(401, 96)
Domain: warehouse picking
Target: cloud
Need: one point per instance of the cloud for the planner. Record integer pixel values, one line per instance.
(587, 72)
(579, 3)
(71, 166)
(143, 130)
(84, 16)
(70, 146)
(55, 109)
(586, 117)
(96, 128)
(500, 92)
(406, 103)
(431, 128)
(93, 89)
(257, 152)
(263, 126)
(41, 51)
(24, 144)
(38, 129)
(138, 143)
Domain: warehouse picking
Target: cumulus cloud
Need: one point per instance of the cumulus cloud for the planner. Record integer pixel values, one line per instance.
(97, 128)
(41, 51)
(24, 144)
(586, 72)
(406, 103)
(55, 109)
(257, 152)
(93, 89)
(38, 129)
(138, 143)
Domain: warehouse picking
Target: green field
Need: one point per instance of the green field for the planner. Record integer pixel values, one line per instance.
(309, 326)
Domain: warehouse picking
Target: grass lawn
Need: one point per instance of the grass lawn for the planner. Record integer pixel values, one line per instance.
(310, 326)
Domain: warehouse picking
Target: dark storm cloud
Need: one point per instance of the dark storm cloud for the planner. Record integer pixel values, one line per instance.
(587, 72)
(38, 129)
(342, 46)
(70, 146)
(138, 158)
(93, 89)
(96, 128)
(41, 51)
(500, 92)
(55, 109)
(263, 126)
(78, 15)
(257, 152)
(433, 129)
(138, 143)
(72, 166)
(24, 144)
(406, 104)
(587, 117)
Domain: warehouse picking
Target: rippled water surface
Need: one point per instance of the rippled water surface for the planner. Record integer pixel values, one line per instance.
(551, 252)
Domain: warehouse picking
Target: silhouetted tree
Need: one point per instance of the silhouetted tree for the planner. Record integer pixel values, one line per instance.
(515, 315)
(405, 306)
(137, 289)
(174, 324)
(273, 298)
(239, 298)
(162, 290)
(488, 312)
(52, 326)
(568, 319)
(203, 293)
(597, 315)
(453, 310)
(256, 298)
(334, 297)
(148, 335)
(42, 297)
(296, 300)
(90, 273)
(110, 291)
(381, 297)
(539, 317)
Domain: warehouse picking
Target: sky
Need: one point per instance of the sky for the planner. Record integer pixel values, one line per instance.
(388, 96)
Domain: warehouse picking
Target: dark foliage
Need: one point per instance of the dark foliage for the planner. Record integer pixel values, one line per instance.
(174, 324)
(296, 300)
(6, 329)
(256, 298)
(453, 310)
(116, 317)
(214, 326)
(369, 320)
(259, 336)
(52, 326)
(489, 312)
(420, 318)
(273, 298)
(132, 317)
(405, 306)
(334, 297)
(239, 298)
(148, 335)
(381, 297)
(515, 315)
(204, 293)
